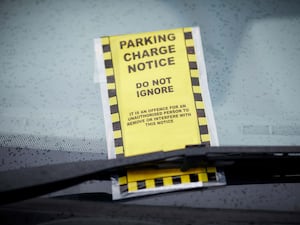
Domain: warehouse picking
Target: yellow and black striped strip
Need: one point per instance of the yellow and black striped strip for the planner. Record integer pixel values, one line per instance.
(209, 175)
(112, 94)
(194, 73)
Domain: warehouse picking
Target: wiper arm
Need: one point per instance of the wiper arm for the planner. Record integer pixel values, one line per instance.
(241, 165)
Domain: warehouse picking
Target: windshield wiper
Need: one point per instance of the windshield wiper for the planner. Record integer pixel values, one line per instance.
(241, 165)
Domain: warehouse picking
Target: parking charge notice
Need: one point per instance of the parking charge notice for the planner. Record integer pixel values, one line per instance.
(154, 92)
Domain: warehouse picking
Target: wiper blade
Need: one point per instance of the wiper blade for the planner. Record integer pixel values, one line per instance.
(241, 165)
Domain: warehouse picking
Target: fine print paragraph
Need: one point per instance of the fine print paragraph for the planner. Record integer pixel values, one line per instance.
(158, 116)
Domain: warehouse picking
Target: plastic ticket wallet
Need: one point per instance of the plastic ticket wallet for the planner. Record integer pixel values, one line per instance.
(155, 98)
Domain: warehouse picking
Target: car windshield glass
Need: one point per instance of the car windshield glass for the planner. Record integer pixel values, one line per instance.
(51, 109)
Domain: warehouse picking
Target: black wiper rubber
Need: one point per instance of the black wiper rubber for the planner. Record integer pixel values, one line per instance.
(241, 165)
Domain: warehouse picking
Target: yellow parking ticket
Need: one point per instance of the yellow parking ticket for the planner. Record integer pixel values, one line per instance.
(154, 92)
